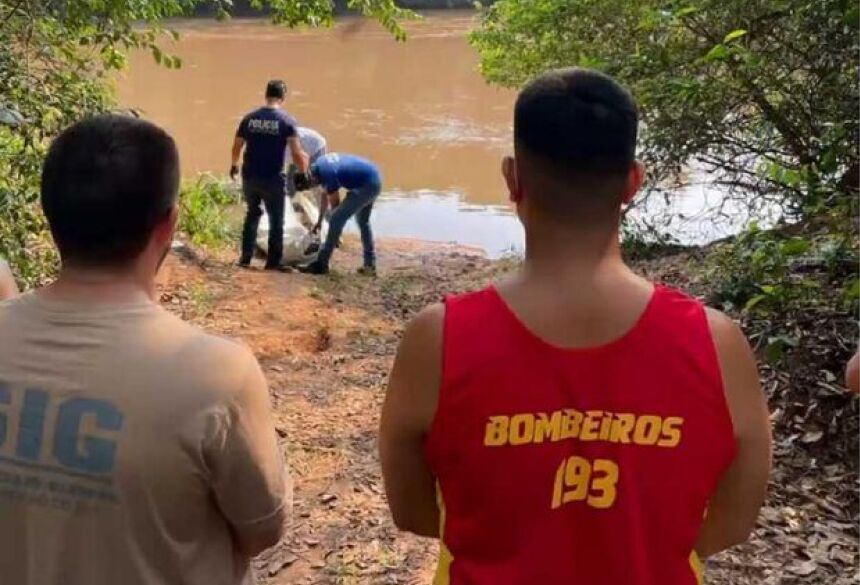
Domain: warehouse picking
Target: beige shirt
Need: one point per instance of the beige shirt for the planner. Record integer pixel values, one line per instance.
(131, 446)
(8, 286)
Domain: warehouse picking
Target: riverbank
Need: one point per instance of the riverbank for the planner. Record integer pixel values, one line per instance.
(327, 344)
(243, 8)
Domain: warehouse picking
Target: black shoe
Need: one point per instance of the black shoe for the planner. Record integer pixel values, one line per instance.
(367, 271)
(279, 268)
(243, 263)
(315, 267)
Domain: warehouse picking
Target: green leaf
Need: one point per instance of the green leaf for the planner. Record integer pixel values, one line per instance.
(157, 54)
(753, 302)
(777, 346)
(686, 11)
(767, 289)
(773, 352)
(718, 53)
(795, 246)
(852, 291)
(735, 34)
(829, 161)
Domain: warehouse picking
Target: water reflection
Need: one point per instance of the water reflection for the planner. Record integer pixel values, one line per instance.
(687, 214)
(446, 217)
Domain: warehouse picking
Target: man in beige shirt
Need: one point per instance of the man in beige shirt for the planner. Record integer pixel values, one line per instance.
(8, 286)
(134, 449)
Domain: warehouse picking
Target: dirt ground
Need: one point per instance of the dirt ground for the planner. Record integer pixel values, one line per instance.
(326, 345)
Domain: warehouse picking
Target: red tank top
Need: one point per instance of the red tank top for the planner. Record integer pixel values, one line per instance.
(586, 466)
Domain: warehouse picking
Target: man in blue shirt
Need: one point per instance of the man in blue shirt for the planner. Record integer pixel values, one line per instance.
(264, 135)
(363, 183)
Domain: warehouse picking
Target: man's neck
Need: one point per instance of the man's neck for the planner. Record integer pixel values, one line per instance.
(273, 105)
(564, 255)
(575, 289)
(99, 286)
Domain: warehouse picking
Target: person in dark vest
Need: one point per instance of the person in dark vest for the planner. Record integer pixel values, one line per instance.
(265, 135)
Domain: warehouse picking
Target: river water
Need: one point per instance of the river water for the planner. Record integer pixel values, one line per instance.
(419, 109)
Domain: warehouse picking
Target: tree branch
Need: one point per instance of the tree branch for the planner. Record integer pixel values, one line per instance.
(770, 113)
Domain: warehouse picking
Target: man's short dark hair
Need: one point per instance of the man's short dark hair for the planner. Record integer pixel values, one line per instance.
(106, 183)
(575, 134)
(276, 89)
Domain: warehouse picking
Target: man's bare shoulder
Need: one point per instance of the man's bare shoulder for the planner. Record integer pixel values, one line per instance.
(721, 324)
(730, 340)
(738, 368)
(428, 323)
(420, 350)
(418, 366)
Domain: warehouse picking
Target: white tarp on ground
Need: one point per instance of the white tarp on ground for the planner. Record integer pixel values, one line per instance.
(297, 236)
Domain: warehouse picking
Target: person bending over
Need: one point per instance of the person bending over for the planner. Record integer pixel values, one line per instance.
(314, 145)
(575, 423)
(363, 183)
(264, 135)
(136, 449)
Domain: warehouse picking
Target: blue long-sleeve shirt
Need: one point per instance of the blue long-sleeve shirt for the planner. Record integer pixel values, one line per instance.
(346, 171)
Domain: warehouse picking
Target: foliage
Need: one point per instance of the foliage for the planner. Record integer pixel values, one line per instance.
(641, 241)
(769, 270)
(755, 271)
(321, 12)
(760, 94)
(204, 212)
(768, 275)
(24, 240)
(56, 63)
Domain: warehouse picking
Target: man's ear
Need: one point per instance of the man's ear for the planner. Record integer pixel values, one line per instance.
(512, 179)
(634, 181)
(166, 228)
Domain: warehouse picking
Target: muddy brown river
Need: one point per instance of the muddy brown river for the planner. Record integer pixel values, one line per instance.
(419, 109)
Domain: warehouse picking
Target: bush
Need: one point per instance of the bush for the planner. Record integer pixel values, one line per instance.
(753, 272)
(768, 271)
(24, 239)
(761, 95)
(204, 212)
(642, 241)
(781, 278)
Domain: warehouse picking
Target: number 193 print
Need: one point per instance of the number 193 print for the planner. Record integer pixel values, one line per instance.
(578, 480)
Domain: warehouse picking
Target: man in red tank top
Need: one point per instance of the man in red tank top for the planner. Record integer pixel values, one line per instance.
(575, 424)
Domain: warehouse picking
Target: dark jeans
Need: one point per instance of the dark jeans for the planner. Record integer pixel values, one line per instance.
(358, 202)
(259, 192)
